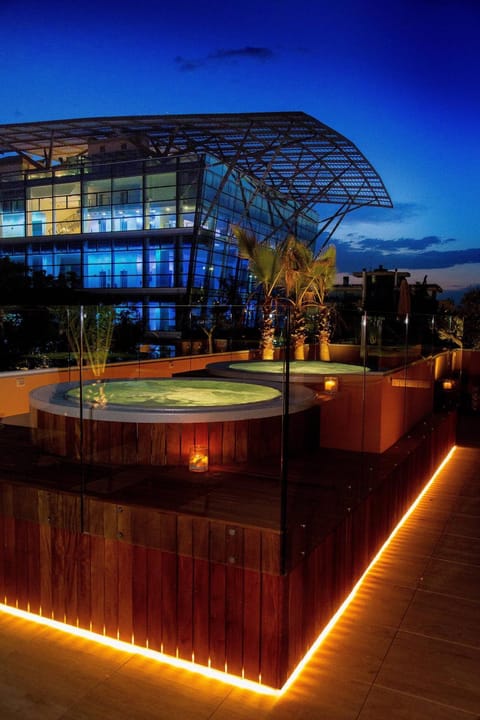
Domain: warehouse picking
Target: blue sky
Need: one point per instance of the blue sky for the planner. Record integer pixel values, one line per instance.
(399, 79)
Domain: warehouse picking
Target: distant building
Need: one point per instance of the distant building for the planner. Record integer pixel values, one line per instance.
(387, 298)
(142, 208)
(379, 292)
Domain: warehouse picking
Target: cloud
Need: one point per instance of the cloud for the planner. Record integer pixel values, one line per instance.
(187, 65)
(260, 54)
(257, 53)
(397, 245)
(355, 253)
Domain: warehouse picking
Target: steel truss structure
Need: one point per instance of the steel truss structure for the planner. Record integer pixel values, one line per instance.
(289, 156)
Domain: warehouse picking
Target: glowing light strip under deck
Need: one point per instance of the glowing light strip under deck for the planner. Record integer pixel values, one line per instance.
(333, 620)
(209, 672)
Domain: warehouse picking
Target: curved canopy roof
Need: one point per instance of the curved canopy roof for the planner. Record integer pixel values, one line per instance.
(288, 153)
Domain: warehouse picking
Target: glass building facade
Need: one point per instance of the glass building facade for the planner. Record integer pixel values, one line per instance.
(144, 226)
(143, 207)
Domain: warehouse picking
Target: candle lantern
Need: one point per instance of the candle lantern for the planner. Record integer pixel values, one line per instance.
(198, 459)
(331, 384)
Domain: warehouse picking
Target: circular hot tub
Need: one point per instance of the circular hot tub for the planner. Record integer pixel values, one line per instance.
(158, 421)
(300, 371)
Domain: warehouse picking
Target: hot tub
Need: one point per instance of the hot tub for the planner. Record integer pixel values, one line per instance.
(300, 371)
(158, 421)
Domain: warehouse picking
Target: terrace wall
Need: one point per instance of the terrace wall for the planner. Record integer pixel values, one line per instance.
(200, 587)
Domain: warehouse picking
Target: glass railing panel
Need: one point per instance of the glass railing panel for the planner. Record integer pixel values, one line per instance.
(298, 469)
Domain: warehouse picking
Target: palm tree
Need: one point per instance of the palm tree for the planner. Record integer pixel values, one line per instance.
(304, 278)
(265, 263)
(307, 279)
(324, 269)
(297, 259)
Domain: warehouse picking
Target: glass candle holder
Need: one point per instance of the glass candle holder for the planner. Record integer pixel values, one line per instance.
(331, 384)
(198, 459)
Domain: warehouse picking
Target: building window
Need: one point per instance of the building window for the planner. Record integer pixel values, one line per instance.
(160, 201)
(39, 210)
(161, 266)
(97, 265)
(128, 265)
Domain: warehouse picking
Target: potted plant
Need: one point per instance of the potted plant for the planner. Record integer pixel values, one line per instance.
(265, 263)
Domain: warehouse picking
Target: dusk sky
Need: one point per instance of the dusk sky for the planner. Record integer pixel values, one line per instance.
(400, 79)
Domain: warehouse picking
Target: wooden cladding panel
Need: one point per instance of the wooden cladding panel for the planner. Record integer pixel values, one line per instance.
(139, 594)
(125, 592)
(200, 614)
(154, 610)
(234, 604)
(187, 440)
(10, 560)
(202, 588)
(217, 618)
(23, 502)
(2, 557)
(173, 444)
(185, 607)
(46, 574)
(84, 582)
(241, 441)
(21, 564)
(111, 588)
(124, 443)
(215, 443)
(97, 575)
(168, 603)
(50, 433)
(60, 562)
(317, 586)
(274, 627)
(33, 567)
(252, 595)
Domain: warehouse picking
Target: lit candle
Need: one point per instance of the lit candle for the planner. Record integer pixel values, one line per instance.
(198, 459)
(331, 384)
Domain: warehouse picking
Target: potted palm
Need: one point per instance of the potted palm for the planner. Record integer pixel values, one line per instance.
(307, 277)
(323, 274)
(265, 263)
(293, 270)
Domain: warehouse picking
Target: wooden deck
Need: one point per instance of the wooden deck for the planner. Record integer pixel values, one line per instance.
(323, 483)
(408, 647)
(201, 566)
